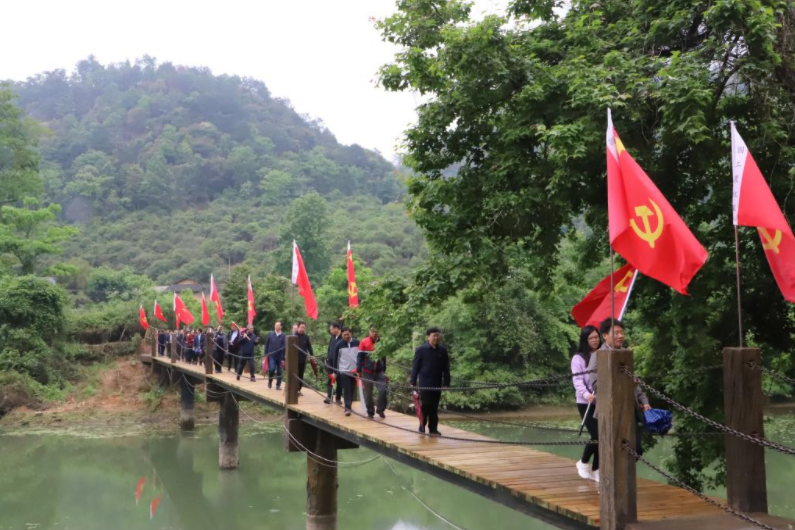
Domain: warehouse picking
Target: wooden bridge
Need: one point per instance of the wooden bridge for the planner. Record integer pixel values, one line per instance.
(540, 484)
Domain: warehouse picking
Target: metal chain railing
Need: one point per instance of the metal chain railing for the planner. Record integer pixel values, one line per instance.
(775, 375)
(712, 423)
(728, 509)
(454, 438)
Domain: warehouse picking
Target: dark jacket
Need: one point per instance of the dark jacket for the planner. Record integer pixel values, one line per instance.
(274, 345)
(221, 343)
(246, 345)
(199, 341)
(162, 338)
(367, 362)
(431, 366)
(304, 345)
(332, 362)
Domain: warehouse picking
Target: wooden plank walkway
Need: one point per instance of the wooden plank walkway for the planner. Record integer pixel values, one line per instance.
(541, 484)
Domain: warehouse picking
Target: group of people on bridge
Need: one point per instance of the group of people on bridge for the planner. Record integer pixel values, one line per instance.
(349, 362)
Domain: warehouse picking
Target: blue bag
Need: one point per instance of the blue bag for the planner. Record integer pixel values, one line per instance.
(658, 421)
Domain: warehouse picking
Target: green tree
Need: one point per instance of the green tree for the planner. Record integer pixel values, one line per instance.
(19, 157)
(518, 102)
(30, 232)
(105, 283)
(306, 223)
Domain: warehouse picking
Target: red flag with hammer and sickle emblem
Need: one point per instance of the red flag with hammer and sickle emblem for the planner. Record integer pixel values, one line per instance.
(595, 307)
(250, 307)
(644, 227)
(353, 290)
(753, 204)
(142, 318)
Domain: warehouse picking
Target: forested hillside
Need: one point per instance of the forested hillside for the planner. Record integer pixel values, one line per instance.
(178, 173)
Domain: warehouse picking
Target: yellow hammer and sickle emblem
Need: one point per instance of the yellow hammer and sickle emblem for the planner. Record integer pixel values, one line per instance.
(622, 287)
(353, 291)
(644, 213)
(770, 242)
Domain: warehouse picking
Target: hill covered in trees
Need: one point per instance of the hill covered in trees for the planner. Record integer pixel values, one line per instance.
(177, 173)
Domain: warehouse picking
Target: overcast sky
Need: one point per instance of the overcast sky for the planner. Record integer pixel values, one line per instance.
(322, 55)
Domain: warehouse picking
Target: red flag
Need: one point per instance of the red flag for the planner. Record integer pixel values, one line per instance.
(595, 307)
(205, 313)
(159, 313)
(753, 204)
(181, 311)
(142, 318)
(644, 227)
(153, 507)
(215, 297)
(251, 312)
(353, 290)
(301, 279)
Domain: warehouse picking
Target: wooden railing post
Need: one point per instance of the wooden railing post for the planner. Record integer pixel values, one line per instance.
(743, 401)
(291, 367)
(172, 349)
(208, 353)
(154, 344)
(615, 406)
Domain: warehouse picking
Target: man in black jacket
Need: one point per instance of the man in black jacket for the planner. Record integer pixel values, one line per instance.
(163, 339)
(304, 350)
(432, 367)
(220, 345)
(274, 351)
(335, 330)
(246, 341)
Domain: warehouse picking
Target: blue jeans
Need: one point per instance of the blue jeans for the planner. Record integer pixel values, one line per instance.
(275, 366)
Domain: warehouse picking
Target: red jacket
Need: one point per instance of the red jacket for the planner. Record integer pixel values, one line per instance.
(365, 361)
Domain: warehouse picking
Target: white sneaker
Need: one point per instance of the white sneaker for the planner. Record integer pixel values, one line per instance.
(595, 476)
(583, 469)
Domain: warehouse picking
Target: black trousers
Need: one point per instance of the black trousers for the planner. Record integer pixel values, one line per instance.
(161, 348)
(591, 450)
(348, 384)
(218, 360)
(301, 370)
(242, 365)
(231, 361)
(429, 400)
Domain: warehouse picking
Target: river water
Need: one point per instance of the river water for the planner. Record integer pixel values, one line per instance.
(88, 480)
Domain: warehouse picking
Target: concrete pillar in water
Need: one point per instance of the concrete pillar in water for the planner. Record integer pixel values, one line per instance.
(187, 419)
(228, 424)
(321, 484)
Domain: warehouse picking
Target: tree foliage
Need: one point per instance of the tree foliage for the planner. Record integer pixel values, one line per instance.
(19, 157)
(519, 102)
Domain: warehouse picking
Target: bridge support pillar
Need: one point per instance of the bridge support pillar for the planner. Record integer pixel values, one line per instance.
(616, 412)
(228, 425)
(187, 420)
(743, 401)
(321, 483)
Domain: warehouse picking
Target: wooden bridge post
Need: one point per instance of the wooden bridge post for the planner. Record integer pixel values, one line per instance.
(616, 415)
(291, 367)
(172, 350)
(228, 426)
(187, 419)
(743, 401)
(321, 483)
(208, 354)
(154, 344)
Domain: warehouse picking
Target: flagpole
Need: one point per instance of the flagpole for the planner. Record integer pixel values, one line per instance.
(739, 302)
(612, 295)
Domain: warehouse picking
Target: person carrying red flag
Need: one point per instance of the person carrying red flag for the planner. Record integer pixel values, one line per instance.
(353, 290)
(596, 306)
(216, 298)
(753, 204)
(644, 227)
(301, 279)
(142, 318)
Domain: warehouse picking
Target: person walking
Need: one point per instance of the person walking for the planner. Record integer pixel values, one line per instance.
(431, 367)
(304, 345)
(162, 341)
(247, 340)
(373, 372)
(199, 340)
(189, 338)
(274, 351)
(232, 357)
(335, 330)
(586, 400)
(220, 345)
(346, 352)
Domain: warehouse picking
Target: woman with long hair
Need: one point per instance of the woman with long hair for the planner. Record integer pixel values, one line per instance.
(589, 343)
